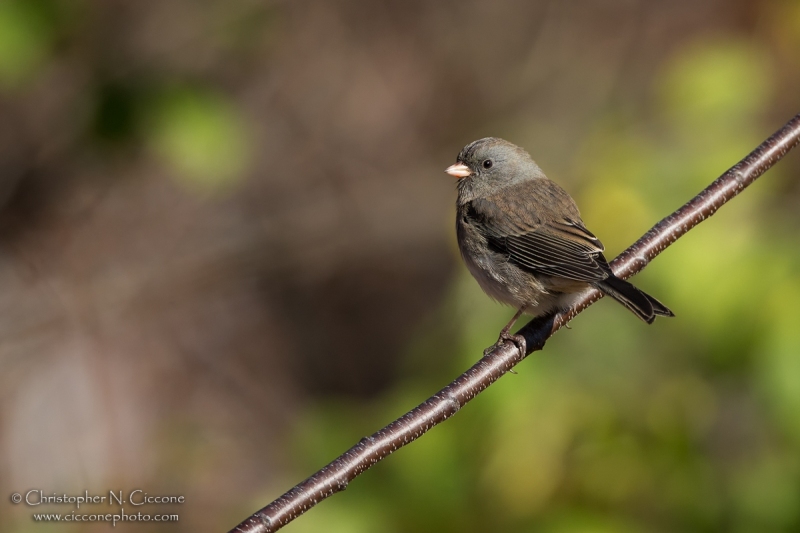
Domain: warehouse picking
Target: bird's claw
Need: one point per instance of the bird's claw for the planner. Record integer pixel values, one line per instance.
(516, 340)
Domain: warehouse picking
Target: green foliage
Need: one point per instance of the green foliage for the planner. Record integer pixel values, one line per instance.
(26, 35)
(202, 137)
(716, 80)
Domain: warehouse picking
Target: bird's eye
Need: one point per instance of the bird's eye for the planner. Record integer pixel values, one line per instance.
(487, 163)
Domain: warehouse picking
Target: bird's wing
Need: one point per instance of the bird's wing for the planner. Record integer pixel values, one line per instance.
(562, 248)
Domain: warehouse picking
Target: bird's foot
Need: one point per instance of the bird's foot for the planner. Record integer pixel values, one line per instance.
(516, 340)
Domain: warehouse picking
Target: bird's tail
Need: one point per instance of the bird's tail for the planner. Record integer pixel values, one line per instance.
(637, 301)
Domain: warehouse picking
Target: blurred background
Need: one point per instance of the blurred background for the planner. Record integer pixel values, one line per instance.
(227, 252)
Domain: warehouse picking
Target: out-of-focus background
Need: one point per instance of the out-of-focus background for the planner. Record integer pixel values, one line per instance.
(227, 253)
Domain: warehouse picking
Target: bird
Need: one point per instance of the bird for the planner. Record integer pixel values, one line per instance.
(522, 238)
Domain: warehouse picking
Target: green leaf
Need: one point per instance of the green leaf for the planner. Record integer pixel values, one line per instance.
(203, 138)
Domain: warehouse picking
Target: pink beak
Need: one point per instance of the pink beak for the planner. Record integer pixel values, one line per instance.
(459, 170)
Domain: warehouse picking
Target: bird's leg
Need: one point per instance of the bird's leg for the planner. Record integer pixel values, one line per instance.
(518, 340)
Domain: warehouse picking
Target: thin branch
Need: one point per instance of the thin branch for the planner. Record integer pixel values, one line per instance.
(335, 476)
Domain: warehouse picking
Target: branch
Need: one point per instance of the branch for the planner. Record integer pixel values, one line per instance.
(335, 476)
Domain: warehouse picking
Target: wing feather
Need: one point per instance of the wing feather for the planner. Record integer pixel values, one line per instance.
(562, 249)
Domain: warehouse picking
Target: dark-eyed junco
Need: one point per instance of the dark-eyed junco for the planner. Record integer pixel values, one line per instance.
(522, 237)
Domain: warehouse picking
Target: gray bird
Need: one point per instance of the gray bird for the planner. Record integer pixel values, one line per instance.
(522, 237)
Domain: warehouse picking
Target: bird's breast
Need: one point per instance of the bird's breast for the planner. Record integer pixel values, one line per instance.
(489, 268)
(500, 278)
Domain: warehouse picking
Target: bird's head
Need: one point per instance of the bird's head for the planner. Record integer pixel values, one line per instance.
(488, 165)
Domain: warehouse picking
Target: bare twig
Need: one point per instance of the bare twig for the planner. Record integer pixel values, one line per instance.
(335, 476)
